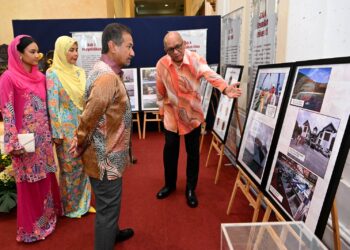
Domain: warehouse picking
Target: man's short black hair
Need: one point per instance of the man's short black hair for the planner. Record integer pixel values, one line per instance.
(114, 32)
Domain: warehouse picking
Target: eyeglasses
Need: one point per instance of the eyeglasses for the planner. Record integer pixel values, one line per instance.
(172, 50)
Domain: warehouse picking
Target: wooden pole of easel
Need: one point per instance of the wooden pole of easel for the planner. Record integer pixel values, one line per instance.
(147, 119)
(137, 120)
(335, 225)
(245, 187)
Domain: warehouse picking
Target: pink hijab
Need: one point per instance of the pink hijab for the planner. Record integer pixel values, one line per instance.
(19, 76)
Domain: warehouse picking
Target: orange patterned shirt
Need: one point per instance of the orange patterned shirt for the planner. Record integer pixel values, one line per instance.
(178, 91)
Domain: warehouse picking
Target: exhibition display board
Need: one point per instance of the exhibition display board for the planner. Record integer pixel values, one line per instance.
(148, 88)
(269, 91)
(224, 112)
(130, 81)
(206, 91)
(314, 142)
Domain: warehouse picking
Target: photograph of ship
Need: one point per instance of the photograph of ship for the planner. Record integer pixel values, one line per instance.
(293, 186)
(310, 88)
(267, 93)
(257, 146)
(312, 140)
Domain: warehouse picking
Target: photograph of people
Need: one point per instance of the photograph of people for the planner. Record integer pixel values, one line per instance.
(23, 107)
(267, 93)
(65, 85)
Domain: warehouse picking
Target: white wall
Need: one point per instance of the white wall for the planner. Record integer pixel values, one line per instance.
(313, 29)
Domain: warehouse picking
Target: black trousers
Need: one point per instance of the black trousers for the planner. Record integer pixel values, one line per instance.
(171, 157)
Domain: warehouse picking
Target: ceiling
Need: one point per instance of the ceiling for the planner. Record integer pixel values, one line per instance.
(159, 8)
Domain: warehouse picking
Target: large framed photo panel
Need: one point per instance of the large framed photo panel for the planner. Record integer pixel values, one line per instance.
(130, 81)
(148, 89)
(225, 107)
(206, 90)
(314, 142)
(270, 89)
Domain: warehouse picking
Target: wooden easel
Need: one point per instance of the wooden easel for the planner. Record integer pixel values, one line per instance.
(217, 144)
(155, 118)
(137, 120)
(245, 184)
(271, 208)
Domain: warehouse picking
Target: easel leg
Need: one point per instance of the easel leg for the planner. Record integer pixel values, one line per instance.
(144, 124)
(335, 224)
(219, 164)
(234, 191)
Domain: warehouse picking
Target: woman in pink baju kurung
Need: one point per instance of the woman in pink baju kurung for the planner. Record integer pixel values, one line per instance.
(23, 104)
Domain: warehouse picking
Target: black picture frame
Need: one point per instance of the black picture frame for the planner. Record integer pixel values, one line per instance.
(270, 93)
(148, 76)
(233, 74)
(131, 84)
(314, 142)
(206, 91)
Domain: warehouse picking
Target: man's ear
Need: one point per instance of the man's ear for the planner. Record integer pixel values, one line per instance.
(111, 46)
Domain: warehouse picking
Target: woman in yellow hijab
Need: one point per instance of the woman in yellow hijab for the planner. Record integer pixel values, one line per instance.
(65, 90)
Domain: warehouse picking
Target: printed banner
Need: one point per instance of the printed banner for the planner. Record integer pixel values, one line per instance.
(89, 48)
(195, 40)
(262, 37)
(230, 38)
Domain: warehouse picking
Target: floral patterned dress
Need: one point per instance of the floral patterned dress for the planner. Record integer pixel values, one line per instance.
(74, 183)
(38, 200)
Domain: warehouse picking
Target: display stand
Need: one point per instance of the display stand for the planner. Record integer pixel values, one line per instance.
(137, 120)
(268, 235)
(335, 224)
(150, 116)
(217, 144)
(271, 208)
(245, 184)
(203, 132)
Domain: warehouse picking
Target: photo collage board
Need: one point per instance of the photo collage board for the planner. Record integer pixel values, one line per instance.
(310, 153)
(148, 89)
(130, 82)
(225, 107)
(268, 94)
(206, 91)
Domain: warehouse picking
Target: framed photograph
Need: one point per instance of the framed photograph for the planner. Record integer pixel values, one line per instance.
(130, 81)
(148, 88)
(265, 105)
(206, 91)
(314, 142)
(225, 107)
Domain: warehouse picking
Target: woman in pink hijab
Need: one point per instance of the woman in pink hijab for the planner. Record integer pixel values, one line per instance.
(23, 105)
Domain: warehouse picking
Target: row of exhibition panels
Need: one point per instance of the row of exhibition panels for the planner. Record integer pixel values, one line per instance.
(295, 139)
(296, 135)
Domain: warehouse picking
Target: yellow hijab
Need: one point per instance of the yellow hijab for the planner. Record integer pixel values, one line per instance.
(71, 77)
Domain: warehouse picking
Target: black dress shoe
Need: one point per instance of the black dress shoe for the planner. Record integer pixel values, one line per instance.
(191, 198)
(124, 235)
(165, 192)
